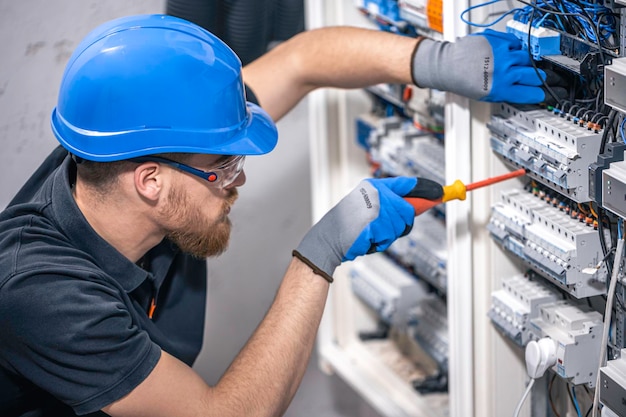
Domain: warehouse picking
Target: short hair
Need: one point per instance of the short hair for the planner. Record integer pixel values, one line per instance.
(102, 176)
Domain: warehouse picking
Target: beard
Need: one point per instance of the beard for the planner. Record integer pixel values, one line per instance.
(191, 231)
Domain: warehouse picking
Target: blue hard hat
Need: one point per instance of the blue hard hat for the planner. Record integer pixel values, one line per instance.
(150, 84)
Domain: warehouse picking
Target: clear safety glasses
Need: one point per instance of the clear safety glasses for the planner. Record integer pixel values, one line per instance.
(221, 176)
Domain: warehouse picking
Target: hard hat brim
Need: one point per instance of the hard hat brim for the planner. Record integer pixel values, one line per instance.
(258, 135)
(257, 138)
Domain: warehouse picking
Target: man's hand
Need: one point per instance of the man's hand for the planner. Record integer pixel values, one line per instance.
(367, 220)
(487, 66)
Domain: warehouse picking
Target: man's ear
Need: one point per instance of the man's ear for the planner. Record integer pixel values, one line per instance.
(149, 180)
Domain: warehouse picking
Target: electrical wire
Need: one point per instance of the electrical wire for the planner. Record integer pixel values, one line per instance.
(570, 16)
(590, 394)
(532, 61)
(550, 385)
(603, 245)
(485, 25)
(597, 115)
(572, 396)
(619, 252)
(521, 401)
(601, 119)
(582, 24)
(607, 131)
(585, 114)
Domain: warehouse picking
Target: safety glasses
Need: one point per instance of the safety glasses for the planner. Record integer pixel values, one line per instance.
(221, 176)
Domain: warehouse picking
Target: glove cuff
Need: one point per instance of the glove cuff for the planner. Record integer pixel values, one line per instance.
(426, 64)
(311, 265)
(420, 39)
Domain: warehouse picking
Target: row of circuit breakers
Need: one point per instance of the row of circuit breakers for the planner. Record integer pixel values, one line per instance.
(561, 226)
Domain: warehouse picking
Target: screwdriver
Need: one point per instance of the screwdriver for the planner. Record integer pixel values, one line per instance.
(427, 193)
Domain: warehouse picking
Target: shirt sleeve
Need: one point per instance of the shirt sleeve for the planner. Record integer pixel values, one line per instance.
(74, 338)
(250, 96)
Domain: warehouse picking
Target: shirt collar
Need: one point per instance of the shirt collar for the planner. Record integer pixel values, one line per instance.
(77, 229)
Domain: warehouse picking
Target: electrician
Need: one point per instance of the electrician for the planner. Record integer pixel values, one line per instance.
(102, 285)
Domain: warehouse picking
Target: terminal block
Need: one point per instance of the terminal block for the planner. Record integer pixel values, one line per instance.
(399, 148)
(543, 41)
(577, 332)
(424, 250)
(613, 385)
(431, 330)
(555, 149)
(550, 241)
(386, 288)
(518, 302)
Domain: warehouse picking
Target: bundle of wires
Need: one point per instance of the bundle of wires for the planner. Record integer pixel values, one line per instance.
(588, 20)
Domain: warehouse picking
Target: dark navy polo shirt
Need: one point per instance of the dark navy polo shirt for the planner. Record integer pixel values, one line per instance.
(74, 330)
(73, 310)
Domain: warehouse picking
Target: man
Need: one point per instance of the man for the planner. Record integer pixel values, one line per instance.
(101, 306)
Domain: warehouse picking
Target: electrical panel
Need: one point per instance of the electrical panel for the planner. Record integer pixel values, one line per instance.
(561, 226)
(543, 260)
(402, 135)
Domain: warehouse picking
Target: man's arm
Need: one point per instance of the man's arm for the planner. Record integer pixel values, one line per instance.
(343, 57)
(263, 378)
(265, 375)
(487, 66)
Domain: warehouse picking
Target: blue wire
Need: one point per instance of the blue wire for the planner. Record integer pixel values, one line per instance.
(621, 129)
(539, 23)
(620, 227)
(485, 25)
(575, 400)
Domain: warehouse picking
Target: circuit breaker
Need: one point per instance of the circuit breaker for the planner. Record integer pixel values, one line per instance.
(613, 385)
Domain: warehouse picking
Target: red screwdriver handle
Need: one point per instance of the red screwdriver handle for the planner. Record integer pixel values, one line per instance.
(425, 195)
(420, 205)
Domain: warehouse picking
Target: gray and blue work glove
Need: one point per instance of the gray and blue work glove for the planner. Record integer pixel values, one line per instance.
(487, 66)
(368, 219)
